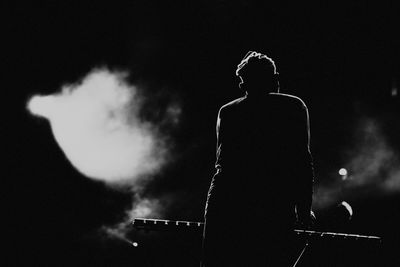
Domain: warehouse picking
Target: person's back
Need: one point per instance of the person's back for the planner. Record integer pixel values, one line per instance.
(263, 172)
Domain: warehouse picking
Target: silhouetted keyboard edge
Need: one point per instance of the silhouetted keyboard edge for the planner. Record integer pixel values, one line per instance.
(159, 224)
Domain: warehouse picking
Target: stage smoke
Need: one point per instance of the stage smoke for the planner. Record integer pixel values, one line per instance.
(142, 208)
(373, 168)
(97, 124)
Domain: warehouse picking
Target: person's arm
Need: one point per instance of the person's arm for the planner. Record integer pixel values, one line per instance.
(218, 130)
(305, 189)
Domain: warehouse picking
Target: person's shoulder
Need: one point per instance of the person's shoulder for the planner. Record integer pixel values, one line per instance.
(232, 104)
(292, 99)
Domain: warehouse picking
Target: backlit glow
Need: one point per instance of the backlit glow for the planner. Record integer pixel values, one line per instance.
(343, 171)
(96, 124)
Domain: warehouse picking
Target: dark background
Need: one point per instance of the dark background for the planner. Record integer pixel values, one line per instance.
(340, 59)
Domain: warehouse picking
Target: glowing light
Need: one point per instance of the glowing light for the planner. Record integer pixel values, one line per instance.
(135, 244)
(97, 126)
(394, 92)
(343, 171)
(348, 208)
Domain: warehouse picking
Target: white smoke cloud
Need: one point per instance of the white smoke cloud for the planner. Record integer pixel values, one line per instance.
(374, 162)
(142, 208)
(373, 167)
(97, 125)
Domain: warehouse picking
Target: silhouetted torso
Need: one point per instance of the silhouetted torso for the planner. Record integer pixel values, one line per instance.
(264, 169)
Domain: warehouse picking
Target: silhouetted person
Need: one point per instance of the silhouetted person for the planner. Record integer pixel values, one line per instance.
(264, 173)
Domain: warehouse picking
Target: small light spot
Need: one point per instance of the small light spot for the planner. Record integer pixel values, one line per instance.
(394, 92)
(343, 172)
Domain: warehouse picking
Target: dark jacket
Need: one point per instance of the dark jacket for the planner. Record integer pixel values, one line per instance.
(264, 172)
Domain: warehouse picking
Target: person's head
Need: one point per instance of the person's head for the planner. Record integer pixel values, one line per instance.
(257, 73)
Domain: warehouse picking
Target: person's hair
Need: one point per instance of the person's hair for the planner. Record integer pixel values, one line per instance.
(256, 65)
